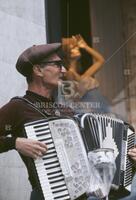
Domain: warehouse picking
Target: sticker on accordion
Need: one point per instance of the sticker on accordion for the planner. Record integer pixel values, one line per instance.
(109, 141)
(63, 158)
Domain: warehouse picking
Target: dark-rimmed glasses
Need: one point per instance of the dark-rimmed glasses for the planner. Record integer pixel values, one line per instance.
(57, 64)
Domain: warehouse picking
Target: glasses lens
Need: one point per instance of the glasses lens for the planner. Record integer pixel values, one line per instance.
(59, 64)
(54, 64)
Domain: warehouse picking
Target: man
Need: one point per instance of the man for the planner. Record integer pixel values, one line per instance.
(42, 67)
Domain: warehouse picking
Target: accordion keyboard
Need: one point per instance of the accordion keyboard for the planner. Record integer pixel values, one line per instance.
(48, 167)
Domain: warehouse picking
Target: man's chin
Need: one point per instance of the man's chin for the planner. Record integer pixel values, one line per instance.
(55, 84)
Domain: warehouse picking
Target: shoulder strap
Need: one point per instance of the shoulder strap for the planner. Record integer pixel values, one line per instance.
(44, 114)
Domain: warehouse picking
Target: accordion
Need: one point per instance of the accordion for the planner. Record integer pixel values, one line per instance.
(63, 172)
(102, 131)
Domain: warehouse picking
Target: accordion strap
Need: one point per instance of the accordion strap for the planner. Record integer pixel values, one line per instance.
(32, 105)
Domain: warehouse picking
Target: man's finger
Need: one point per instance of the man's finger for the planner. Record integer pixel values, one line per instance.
(41, 149)
(132, 154)
(42, 144)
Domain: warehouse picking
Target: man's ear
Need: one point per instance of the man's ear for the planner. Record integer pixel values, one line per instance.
(37, 70)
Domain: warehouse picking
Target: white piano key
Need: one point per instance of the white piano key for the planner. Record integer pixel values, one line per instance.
(49, 155)
(50, 160)
(36, 123)
(56, 179)
(64, 198)
(44, 137)
(42, 178)
(50, 140)
(41, 171)
(38, 160)
(58, 184)
(57, 189)
(40, 164)
(40, 127)
(47, 196)
(53, 170)
(56, 174)
(29, 131)
(50, 151)
(53, 164)
(43, 183)
(60, 193)
(50, 145)
(46, 187)
(46, 132)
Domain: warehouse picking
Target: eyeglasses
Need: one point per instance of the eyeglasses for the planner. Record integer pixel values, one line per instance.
(58, 64)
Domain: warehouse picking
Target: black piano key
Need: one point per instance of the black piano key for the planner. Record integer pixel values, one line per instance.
(53, 177)
(105, 125)
(48, 143)
(42, 125)
(47, 137)
(47, 168)
(50, 148)
(96, 132)
(51, 173)
(42, 134)
(49, 157)
(59, 191)
(62, 196)
(102, 127)
(57, 181)
(44, 140)
(58, 186)
(42, 130)
(49, 163)
(112, 125)
(49, 153)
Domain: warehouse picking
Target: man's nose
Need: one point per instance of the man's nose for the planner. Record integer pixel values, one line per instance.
(63, 69)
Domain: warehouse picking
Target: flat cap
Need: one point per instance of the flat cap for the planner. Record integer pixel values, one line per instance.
(35, 55)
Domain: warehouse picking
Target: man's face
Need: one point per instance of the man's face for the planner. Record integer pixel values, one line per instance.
(51, 73)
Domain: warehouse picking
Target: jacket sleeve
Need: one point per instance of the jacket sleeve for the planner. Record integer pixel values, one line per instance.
(7, 121)
(7, 143)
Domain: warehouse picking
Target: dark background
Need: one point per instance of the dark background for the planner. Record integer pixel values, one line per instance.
(65, 18)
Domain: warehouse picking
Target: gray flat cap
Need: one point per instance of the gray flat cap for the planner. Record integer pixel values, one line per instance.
(35, 55)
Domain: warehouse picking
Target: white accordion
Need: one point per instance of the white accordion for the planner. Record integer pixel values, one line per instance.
(63, 172)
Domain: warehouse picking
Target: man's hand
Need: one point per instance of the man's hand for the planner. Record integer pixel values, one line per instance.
(30, 148)
(132, 153)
